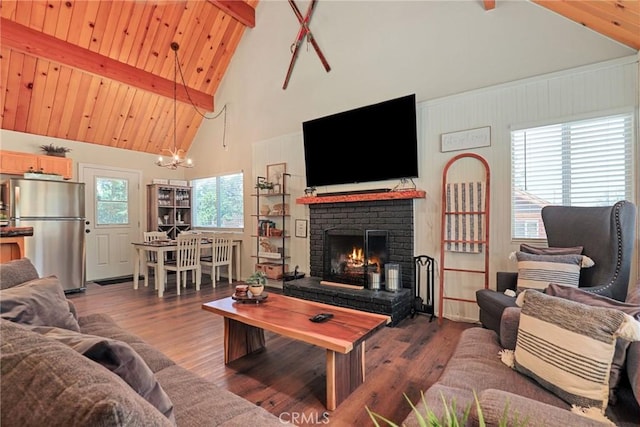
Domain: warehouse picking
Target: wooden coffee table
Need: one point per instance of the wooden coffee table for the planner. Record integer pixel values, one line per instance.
(343, 336)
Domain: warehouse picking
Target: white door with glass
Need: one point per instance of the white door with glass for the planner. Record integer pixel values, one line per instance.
(113, 219)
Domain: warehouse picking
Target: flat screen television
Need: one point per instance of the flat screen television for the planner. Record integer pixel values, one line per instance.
(377, 142)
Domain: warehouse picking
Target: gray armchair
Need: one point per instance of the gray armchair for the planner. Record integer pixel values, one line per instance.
(606, 234)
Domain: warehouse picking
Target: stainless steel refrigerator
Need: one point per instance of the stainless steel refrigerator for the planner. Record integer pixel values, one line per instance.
(55, 210)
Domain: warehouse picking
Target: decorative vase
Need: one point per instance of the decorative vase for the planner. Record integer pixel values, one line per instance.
(256, 289)
(265, 209)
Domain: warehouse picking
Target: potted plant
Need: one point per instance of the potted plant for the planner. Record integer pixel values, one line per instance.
(263, 184)
(53, 150)
(256, 283)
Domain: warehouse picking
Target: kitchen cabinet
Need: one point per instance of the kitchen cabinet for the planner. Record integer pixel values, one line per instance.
(11, 248)
(57, 165)
(12, 242)
(16, 163)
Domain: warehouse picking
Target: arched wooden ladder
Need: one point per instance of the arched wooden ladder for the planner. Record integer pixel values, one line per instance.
(465, 225)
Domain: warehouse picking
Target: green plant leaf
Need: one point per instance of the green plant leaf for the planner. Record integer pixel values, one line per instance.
(481, 422)
(374, 417)
(450, 417)
(258, 277)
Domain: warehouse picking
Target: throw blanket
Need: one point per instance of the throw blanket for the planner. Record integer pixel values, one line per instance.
(464, 197)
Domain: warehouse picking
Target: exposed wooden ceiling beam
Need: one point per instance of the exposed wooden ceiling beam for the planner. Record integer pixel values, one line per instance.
(40, 45)
(239, 10)
(489, 4)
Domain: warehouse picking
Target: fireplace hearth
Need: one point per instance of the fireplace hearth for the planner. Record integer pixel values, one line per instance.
(397, 305)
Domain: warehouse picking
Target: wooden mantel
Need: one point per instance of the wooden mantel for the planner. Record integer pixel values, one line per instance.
(365, 197)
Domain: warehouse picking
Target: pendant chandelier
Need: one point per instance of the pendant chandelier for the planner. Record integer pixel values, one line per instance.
(177, 158)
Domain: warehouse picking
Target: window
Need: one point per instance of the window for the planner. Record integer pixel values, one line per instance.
(112, 207)
(218, 202)
(580, 163)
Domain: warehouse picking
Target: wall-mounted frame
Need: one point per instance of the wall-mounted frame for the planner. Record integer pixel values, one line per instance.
(275, 174)
(466, 139)
(301, 228)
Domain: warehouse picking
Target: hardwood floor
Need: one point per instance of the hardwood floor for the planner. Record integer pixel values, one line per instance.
(288, 378)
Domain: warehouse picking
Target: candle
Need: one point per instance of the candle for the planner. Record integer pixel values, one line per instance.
(374, 280)
(392, 276)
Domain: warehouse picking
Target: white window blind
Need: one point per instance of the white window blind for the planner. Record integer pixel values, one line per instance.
(580, 163)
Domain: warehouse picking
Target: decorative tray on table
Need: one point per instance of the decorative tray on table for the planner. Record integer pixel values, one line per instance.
(250, 299)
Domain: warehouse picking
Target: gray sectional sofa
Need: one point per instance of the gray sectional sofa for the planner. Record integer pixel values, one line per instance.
(476, 366)
(59, 368)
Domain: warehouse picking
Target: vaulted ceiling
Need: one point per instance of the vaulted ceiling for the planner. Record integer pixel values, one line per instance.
(102, 72)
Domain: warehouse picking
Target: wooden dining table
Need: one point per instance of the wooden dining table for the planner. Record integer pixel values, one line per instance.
(162, 247)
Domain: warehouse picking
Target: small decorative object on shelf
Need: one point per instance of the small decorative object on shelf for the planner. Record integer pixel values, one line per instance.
(40, 174)
(263, 184)
(406, 184)
(268, 249)
(275, 174)
(310, 191)
(265, 226)
(280, 209)
(52, 150)
(275, 232)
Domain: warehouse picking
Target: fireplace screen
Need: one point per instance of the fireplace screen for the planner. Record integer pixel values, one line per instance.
(353, 256)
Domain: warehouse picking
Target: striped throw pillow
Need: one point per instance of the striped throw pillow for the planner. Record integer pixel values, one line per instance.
(568, 347)
(538, 271)
(619, 358)
(573, 250)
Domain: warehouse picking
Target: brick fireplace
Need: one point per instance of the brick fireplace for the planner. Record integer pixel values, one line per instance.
(389, 214)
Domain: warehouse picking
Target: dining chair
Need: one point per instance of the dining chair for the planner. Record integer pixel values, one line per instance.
(221, 255)
(187, 259)
(152, 257)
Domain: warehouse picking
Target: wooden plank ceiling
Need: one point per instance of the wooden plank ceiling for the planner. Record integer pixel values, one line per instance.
(102, 71)
(617, 19)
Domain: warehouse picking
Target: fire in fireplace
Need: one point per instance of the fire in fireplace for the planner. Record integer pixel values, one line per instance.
(354, 257)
